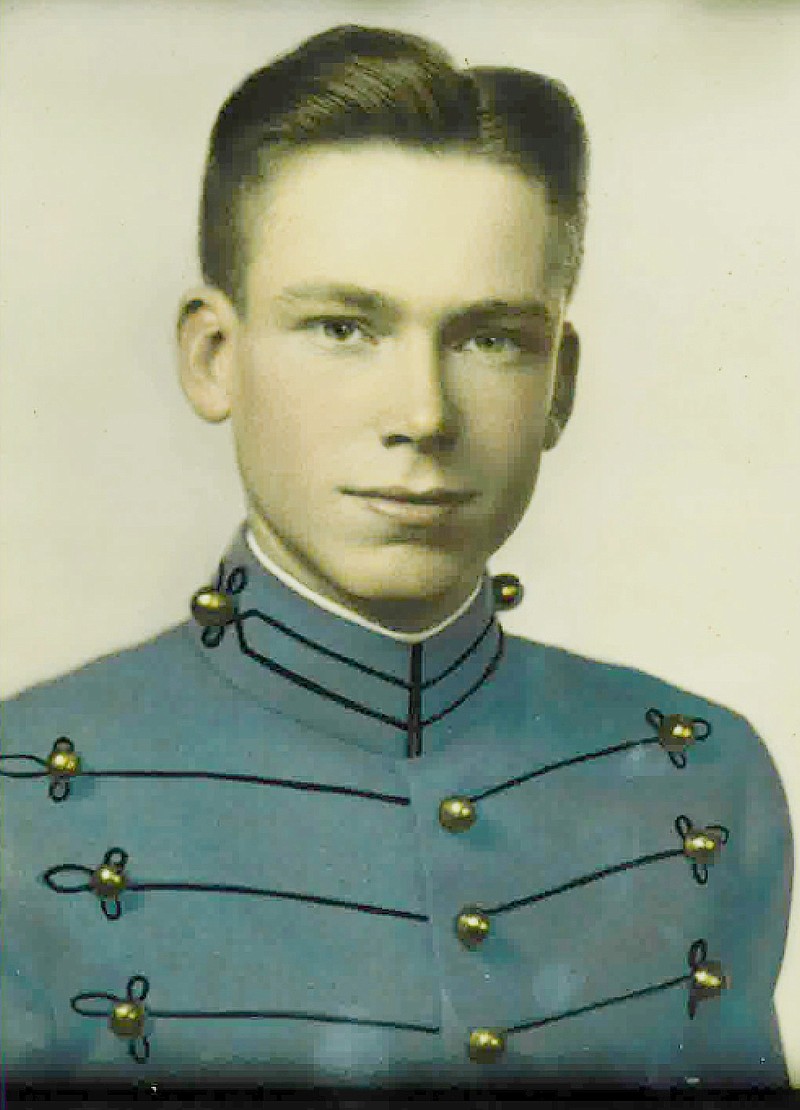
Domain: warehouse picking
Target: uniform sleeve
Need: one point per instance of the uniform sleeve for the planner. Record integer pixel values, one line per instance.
(28, 1022)
(27, 1019)
(754, 930)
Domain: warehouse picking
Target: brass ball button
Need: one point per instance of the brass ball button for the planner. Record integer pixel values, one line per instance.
(676, 732)
(127, 1020)
(108, 881)
(702, 845)
(212, 608)
(456, 814)
(507, 591)
(63, 761)
(486, 1045)
(472, 926)
(708, 979)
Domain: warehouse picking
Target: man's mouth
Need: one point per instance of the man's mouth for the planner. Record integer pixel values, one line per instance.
(410, 506)
(438, 495)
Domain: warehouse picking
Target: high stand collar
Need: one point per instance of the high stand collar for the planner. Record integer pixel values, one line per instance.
(295, 657)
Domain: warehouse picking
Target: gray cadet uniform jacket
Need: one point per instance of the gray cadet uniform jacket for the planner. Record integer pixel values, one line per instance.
(273, 846)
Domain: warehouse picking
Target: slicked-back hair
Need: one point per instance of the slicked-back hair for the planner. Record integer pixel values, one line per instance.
(353, 84)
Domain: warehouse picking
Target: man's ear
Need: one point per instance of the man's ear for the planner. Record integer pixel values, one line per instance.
(564, 385)
(207, 334)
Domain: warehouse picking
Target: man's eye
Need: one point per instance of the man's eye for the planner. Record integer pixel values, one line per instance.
(492, 343)
(506, 344)
(339, 331)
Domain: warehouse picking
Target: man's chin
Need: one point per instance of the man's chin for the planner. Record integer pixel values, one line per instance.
(413, 584)
(408, 579)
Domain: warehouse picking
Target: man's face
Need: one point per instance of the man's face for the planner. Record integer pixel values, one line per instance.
(393, 372)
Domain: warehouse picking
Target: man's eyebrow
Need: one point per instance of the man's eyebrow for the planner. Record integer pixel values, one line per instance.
(349, 296)
(368, 300)
(516, 309)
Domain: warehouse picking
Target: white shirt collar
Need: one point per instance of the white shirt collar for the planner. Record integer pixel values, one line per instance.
(342, 611)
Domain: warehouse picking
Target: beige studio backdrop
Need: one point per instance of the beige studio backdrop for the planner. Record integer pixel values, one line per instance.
(664, 533)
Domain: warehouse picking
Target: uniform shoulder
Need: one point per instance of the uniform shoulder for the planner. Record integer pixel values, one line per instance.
(121, 685)
(579, 685)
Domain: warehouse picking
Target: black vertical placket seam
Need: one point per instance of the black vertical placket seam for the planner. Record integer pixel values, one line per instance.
(414, 726)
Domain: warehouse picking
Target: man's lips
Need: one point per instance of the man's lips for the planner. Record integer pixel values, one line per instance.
(413, 507)
(434, 496)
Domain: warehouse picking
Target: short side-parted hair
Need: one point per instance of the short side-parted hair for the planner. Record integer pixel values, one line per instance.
(352, 84)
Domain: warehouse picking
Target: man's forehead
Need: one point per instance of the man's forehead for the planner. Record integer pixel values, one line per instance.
(401, 222)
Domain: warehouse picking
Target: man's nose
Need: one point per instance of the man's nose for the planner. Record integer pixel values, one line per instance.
(418, 406)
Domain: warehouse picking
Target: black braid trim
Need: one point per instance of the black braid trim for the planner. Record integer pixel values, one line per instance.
(599, 1005)
(519, 779)
(50, 878)
(603, 873)
(488, 671)
(473, 647)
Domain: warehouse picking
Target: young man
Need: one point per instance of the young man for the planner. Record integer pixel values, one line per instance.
(337, 828)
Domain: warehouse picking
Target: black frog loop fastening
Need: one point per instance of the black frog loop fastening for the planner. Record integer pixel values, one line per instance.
(127, 1018)
(107, 881)
(677, 732)
(700, 844)
(707, 979)
(704, 980)
(62, 764)
(214, 607)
